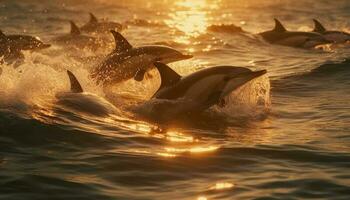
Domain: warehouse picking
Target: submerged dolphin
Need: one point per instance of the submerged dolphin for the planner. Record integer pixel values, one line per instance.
(125, 61)
(334, 36)
(280, 35)
(82, 101)
(202, 89)
(100, 26)
(75, 38)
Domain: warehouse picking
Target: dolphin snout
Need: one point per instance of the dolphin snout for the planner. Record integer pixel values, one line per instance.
(187, 56)
(260, 72)
(45, 46)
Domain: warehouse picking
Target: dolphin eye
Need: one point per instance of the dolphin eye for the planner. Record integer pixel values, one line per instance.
(227, 78)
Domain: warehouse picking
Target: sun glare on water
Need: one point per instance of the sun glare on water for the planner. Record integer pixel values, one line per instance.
(190, 17)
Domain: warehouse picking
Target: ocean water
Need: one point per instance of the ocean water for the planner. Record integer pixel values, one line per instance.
(285, 135)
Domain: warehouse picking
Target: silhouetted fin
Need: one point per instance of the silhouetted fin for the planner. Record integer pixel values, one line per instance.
(278, 26)
(93, 19)
(319, 28)
(2, 35)
(140, 74)
(168, 76)
(74, 30)
(121, 44)
(75, 86)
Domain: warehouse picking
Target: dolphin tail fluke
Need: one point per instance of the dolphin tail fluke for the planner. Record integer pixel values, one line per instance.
(278, 26)
(75, 86)
(93, 19)
(319, 28)
(74, 30)
(167, 75)
(121, 43)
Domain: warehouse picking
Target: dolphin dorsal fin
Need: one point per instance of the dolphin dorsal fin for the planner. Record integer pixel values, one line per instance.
(278, 26)
(74, 30)
(121, 44)
(167, 75)
(2, 35)
(75, 86)
(319, 28)
(93, 19)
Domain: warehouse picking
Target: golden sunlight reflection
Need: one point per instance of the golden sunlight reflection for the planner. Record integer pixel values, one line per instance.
(175, 136)
(202, 198)
(222, 186)
(197, 149)
(191, 18)
(137, 126)
(168, 155)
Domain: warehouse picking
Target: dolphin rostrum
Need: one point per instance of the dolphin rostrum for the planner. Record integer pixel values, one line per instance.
(334, 36)
(280, 35)
(202, 89)
(84, 102)
(126, 62)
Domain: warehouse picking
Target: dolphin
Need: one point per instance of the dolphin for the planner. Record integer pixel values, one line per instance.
(8, 51)
(75, 38)
(202, 89)
(84, 102)
(280, 35)
(126, 62)
(25, 42)
(94, 25)
(334, 36)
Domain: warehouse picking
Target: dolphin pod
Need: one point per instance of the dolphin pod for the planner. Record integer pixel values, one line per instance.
(280, 35)
(195, 92)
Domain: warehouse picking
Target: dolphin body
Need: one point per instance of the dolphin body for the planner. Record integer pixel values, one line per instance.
(77, 39)
(96, 26)
(126, 62)
(8, 51)
(200, 90)
(11, 47)
(26, 42)
(334, 36)
(280, 35)
(84, 102)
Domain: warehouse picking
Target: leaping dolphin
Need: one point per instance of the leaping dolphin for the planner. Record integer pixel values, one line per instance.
(84, 102)
(334, 36)
(202, 89)
(77, 39)
(126, 62)
(94, 25)
(12, 45)
(280, 35)
(8, 52)
(27, 42)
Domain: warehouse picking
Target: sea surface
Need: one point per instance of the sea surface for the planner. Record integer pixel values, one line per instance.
(285, 135)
